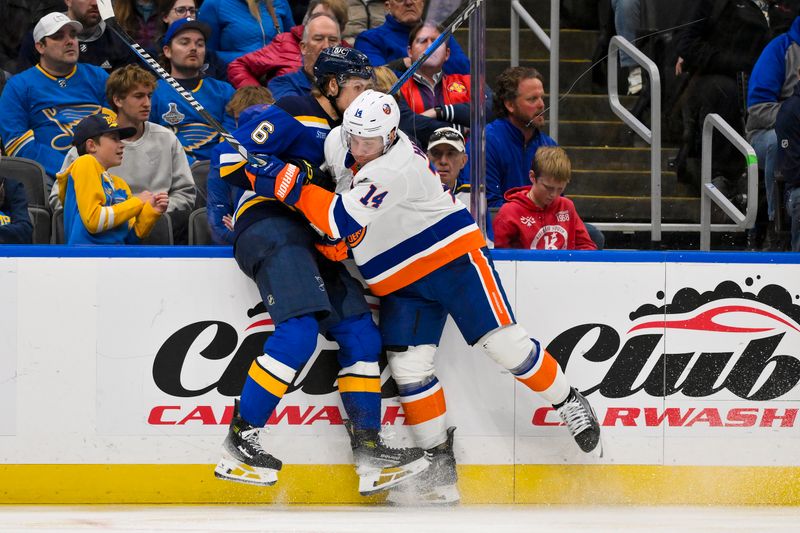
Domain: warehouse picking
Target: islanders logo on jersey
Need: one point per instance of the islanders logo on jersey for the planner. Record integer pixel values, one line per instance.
(354, 239)
(457, 87)
(65, 118)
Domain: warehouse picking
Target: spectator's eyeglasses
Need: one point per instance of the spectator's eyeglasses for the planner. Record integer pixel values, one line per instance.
(449, 135)
(183, 10)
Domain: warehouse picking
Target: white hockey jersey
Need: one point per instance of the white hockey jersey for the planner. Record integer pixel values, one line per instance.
(397, 217)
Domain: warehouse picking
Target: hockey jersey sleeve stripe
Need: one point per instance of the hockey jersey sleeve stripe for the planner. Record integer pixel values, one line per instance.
(491, 288)
(423, 266)
(13, 146)
(429, 238)
(359, 384)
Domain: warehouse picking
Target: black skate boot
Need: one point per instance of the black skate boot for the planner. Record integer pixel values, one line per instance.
(435, 486)
(244, 459)
(380, 467)
(581, 421)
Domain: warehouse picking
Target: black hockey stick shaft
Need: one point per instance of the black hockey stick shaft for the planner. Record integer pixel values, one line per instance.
(449, 29)
(107, 13)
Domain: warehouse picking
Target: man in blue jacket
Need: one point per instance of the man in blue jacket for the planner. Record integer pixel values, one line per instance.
(772, 81)
(787, 158)
(15, 224)
(512, 139)
(388, 43)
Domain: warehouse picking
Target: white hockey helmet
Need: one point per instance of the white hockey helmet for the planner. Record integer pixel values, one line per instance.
(372, 114)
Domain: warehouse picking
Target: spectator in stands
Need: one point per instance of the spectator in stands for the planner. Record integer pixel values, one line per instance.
(98, 45)
(139, 19)
(239, 27)
(15, 223)
(171, 10)
(418, 127)
(284, 55)
(184, 56)
(18, 18)
(99, 208)
(717, 49)
(362, 15)
(772, 81)
(447, 150)
(388, 43)
(537, 216)
(430, 90)
(154, 159)
(787, 158)
(627, 15)
(512, 139)
(40, 106)
(321, 32)
(247, 103)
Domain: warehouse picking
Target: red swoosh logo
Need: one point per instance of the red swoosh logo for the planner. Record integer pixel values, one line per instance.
(265, 322)
(706, 321)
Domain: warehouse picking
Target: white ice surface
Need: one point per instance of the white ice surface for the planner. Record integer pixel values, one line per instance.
(375, 519)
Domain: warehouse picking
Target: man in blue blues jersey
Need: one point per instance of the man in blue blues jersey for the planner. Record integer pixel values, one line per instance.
(304, 292)
(185, 51)
(40, 106)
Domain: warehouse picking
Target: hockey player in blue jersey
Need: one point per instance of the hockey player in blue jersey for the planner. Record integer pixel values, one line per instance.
(185, 49)
(421, 251)
(40, 106)
(304, 293)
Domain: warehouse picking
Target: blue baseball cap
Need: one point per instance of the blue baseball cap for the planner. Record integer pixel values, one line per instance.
(186, 24)
(99, 124)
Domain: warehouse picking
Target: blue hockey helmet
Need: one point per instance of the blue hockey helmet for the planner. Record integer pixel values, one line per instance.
(342, 63)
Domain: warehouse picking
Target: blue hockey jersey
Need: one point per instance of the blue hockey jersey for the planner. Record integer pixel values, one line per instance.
(38, 112)
(293, 128)
(171, 111)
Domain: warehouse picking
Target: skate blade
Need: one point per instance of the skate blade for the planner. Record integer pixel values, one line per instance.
(377, 480)
(440, 496)
(233, 470)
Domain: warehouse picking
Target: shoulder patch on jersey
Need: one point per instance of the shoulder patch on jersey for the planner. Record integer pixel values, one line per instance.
(355, 239)
(173, 116)
(457, 87)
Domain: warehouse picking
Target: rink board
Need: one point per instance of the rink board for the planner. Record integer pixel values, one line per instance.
(117, 373)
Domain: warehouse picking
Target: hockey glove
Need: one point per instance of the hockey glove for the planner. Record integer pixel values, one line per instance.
(315, 175)
(276, 179)
(333, 249)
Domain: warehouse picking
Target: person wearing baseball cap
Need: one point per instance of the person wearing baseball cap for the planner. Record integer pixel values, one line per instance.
(99, 208)
(40, 106)
(447, 151)
(184, 54)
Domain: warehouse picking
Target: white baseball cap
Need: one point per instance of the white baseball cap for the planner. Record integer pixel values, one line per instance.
(449, 136)
(50, 24)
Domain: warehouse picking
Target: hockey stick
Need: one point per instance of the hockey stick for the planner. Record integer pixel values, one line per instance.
(454, 24)
(107, 13)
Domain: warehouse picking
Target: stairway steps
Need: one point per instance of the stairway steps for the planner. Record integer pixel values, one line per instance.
(675, 209)
(615, 158)
(624, 183)
(575, 44)
(589, 106)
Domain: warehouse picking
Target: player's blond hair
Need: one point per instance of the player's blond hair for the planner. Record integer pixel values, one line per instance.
(552, 162)
(247, 96)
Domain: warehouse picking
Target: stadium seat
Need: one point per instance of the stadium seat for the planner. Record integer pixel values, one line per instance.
(57, 233)
(31, 175)
(199, 233)
(161, 233)
(40, 218)
(200, 175)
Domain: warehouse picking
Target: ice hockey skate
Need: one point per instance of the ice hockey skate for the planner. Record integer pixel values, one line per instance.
(244, 460)
(435, 486)
(380, 467)
(581, 421)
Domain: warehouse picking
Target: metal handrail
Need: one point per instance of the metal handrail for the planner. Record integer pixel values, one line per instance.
(710, 193)
(552, 43)
(651, 135)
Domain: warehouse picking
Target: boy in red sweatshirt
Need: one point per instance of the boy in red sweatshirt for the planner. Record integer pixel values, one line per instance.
(537, 216)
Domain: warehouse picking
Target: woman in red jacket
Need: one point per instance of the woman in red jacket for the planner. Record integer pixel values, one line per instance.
(537, 217)
(282, 55)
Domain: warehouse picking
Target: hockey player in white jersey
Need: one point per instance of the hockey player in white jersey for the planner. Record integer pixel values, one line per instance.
(422, 252)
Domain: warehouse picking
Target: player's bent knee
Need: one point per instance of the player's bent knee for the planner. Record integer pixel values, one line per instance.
(510, 346)
(359, 340)
(294, 341)
(412, 367)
